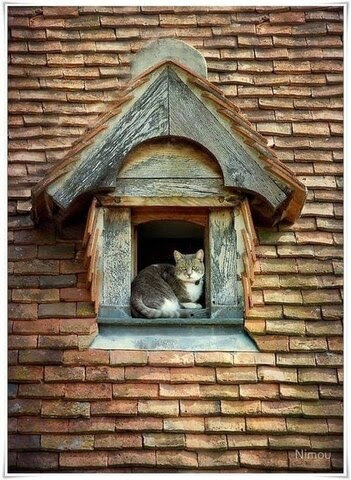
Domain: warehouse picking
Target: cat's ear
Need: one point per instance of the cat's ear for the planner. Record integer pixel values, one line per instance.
(200, 255)
(177, 255)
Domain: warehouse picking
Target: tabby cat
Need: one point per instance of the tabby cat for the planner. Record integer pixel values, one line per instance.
(164, 290)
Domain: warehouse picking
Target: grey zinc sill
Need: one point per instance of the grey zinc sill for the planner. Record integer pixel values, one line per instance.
(198, 333)
(171, 337)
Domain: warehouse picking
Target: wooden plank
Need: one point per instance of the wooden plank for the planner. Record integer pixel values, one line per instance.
(93, 263)
(207, 261)
(145, 214)
(97, 284)
(222, 243)
(247, 293)
(97, 228)
(96, 247)
(94, 270)
(248, 266)
(171, 187)
(147, 118)
(135, 251)
(115, 108)
(117, 258)
(246, 211)
(249, 245)
(90, 221)
(165, 158)
(90, 250)
(190, 118)
(186, 202)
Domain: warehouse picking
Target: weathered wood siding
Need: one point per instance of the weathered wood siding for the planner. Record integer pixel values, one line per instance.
(117, 258)
(170, 187)
(169, 158)
(147, 118)
(222, 244)
(190, 118)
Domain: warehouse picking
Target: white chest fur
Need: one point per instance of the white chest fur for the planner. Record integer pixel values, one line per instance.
(194, 291)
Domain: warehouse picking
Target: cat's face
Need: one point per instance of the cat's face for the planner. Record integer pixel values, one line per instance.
(189, 268)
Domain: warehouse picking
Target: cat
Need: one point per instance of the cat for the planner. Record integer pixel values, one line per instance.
(164, 290)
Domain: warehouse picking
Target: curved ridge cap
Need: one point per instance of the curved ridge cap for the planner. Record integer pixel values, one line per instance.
(164, 49)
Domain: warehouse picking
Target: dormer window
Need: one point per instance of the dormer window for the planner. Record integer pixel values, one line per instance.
(171, 165)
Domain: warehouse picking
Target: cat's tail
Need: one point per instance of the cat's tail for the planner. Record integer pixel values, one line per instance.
(139, 306)
(143, 310)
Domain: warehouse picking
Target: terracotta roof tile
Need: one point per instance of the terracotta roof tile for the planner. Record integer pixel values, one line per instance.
(283, 67)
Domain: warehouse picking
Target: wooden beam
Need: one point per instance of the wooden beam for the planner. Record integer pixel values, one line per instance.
(222, 245)
(197, 215)
(95, 242)
(247, 293)
(171, 187)
(249, 245)
(117, 258)
(185, 202)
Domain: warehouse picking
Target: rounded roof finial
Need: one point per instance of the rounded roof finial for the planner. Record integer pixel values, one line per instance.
(168, 49)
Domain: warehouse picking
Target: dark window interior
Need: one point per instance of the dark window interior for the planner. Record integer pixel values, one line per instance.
(158, 239)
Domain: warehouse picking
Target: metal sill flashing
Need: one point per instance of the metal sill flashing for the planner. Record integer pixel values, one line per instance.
(173, 337)
(111, 315)
(170, 321)
(218, 329)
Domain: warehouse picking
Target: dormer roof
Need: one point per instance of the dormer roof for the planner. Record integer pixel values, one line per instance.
(171, 100)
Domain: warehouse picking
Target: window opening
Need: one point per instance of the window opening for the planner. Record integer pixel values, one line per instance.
(157, 240)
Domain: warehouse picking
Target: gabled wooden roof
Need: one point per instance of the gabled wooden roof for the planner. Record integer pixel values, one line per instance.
(169, 100)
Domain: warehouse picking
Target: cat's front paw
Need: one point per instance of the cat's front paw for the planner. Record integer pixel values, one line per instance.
(191, 305)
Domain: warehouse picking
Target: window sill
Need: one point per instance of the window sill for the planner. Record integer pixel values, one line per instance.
(222, 331)
(110, 315)
(173, 337)
(171, 321)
